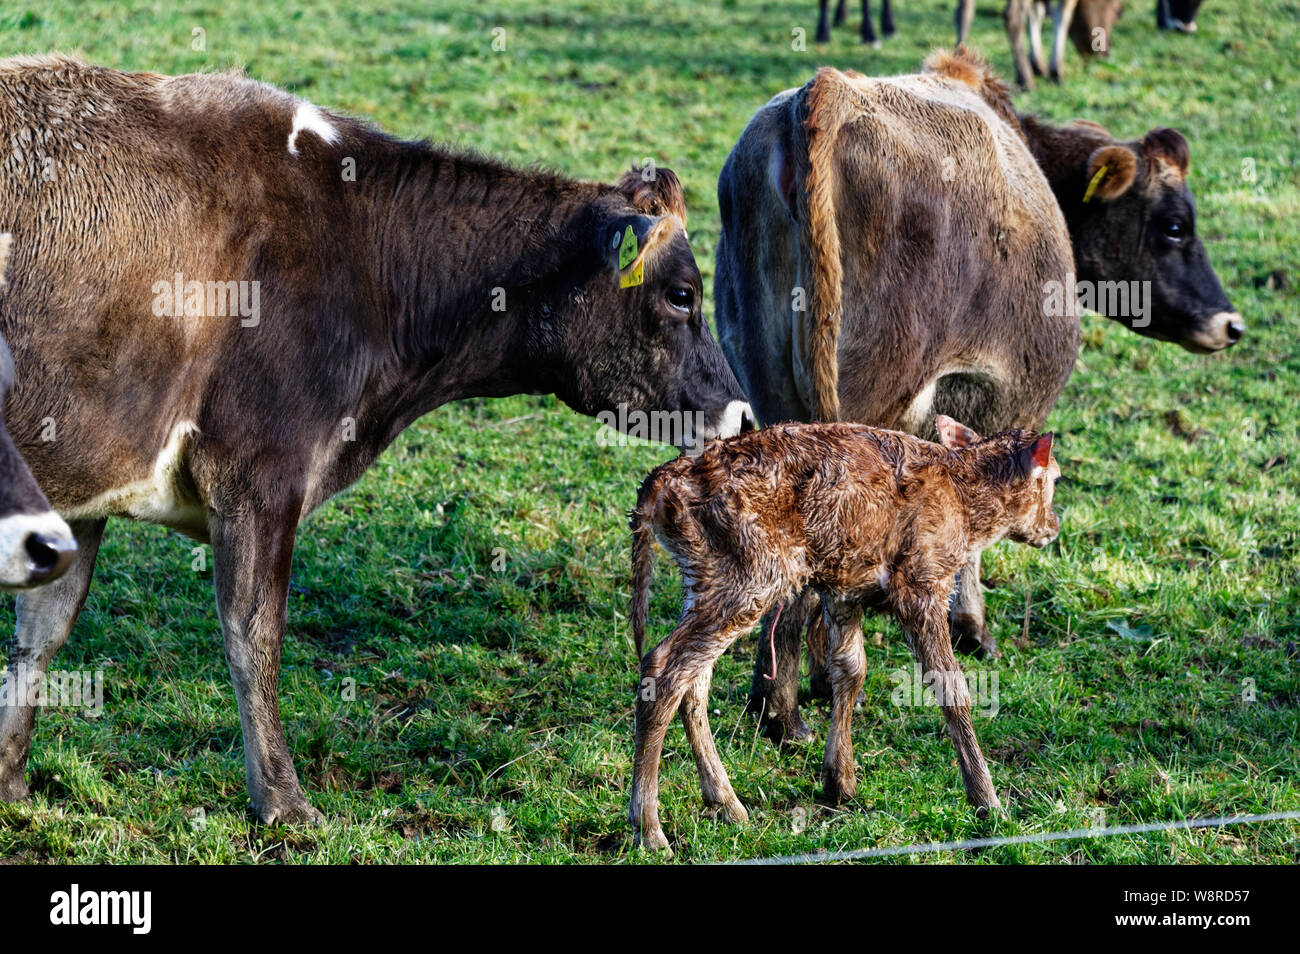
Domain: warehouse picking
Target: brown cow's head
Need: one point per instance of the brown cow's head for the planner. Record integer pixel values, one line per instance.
(1132, 219)
(1091, 26)
(642, 357)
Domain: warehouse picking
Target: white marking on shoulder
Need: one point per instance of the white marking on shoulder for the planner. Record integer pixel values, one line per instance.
(311, 119)
(155, 498)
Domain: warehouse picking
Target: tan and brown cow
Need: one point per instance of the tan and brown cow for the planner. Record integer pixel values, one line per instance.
(230, 301)
(893, 248)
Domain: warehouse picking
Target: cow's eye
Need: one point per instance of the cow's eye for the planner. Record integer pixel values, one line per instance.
(682, 298)
(1173, 232)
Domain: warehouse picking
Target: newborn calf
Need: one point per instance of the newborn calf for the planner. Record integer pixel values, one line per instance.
(868, 519)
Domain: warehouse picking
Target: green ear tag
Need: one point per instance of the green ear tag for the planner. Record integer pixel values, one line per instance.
(627, 251)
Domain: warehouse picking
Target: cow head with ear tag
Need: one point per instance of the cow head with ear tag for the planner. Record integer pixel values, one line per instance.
(1132, 220)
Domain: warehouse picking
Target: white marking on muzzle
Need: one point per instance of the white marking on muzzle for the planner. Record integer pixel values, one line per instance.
(733, 418)
(15, 563)
(310, 118)
(1219, 331)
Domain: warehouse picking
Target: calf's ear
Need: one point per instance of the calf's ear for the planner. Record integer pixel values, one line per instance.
(1111, 170)
(654, 191)
(953, 433)
(1038, 455)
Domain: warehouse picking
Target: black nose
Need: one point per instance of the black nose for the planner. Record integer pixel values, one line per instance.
(48, 558)
(1236, 328)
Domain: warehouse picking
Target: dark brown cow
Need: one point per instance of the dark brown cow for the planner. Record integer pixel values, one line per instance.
(231, 302)
(896, 248)
(864, 518)
(36, 545)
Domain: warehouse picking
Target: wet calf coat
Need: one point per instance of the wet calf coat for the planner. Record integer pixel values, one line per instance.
(375, 280)
(864, 518)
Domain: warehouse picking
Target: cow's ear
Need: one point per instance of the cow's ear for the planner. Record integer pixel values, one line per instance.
(1038, 455)
(623, 239)
(1111, 170)
(952, 433)
(1169, 146)
(654, 191)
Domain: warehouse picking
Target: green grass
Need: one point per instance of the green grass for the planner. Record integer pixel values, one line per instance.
(492, 711)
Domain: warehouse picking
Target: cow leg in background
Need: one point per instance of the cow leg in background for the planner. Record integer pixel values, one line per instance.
(964, 16)
(1037, 14)
(45, 618)
(1017, 22)
(841, 12)
(1062, 14)
(823, 23)
(776, 700)
(252, 556)
(887, 18)
(868, 28)
(966, 614)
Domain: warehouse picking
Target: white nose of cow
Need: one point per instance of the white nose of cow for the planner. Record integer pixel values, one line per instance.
(1221, 330)
(35, 548)
(736, 418)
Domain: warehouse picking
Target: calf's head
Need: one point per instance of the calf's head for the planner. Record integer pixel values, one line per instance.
(1020, 474)
(642, 357)
(1133, 219)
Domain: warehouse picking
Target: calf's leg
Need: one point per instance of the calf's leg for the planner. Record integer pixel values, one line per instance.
(847, 667)
(252, 556)
(926, 624)
(45, 618)
(713, 776)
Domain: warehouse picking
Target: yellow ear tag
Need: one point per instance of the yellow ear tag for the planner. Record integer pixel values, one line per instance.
(634, 276)
(1096, 181)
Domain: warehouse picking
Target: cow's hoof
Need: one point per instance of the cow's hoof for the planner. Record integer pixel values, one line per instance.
(732, 810)
(14, 789)
(788, 730)
(289, 810)
(652, 839)
(972, 637)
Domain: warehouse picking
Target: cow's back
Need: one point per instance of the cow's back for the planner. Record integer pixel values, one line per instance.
(945, 232)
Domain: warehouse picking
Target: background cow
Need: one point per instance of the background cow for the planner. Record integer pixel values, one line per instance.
(1088, 23)
(376, 280)
(36, 546)
(1177, 15)
(868, 29)
(886, 252)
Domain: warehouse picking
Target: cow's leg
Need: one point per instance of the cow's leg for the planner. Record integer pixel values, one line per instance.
(847, 667)
(713, 776)
(252, 555)
(774, 697)
(887, 18)
(668, 673)
(841, 12)
(44, 619)
(1163, 19)
(964, 16)
(1037, 13)
(823, 23)
(926, 624)
(868, 28)
(969, 633)
(1017, 22)
(1062, 14)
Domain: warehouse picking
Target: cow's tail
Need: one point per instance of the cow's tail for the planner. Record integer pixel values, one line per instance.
(643, 560)
(820, 237)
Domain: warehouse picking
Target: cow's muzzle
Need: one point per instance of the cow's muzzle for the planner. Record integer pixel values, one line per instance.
(35, 548)
(1221, 330)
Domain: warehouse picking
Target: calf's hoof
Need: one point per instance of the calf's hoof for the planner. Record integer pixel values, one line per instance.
(837, 789)
(972, 637)
(732, 810)
(288, 810)
(779, 727)
(652, 839)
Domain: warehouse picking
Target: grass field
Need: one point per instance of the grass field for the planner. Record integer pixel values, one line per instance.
(441, 708)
